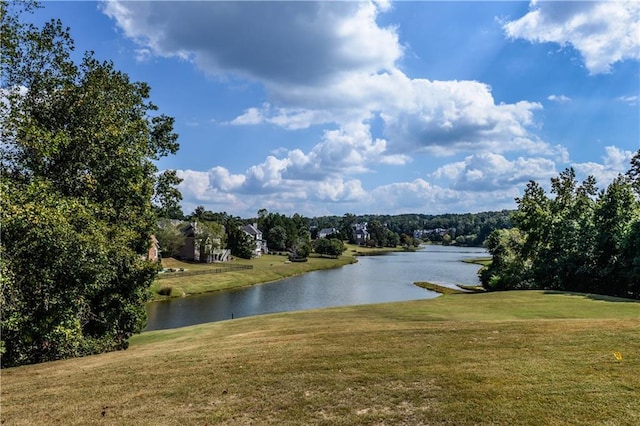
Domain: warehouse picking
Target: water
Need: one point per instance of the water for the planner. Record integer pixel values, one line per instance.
(374, 279)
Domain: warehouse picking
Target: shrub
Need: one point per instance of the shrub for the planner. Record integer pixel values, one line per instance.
(165, 290)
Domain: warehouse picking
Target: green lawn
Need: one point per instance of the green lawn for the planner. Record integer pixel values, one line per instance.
(507, 358)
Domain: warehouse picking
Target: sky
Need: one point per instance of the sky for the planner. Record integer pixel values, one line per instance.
(327, 108)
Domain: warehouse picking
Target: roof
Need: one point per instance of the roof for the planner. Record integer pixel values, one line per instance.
(251, 230)
(327, 231)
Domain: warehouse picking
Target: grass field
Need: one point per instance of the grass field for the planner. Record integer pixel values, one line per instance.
(506, 358)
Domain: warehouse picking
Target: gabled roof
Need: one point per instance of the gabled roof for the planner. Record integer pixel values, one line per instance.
(189, 230)
(326, 231)
(251, 230)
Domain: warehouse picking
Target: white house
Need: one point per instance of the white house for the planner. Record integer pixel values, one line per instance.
(256, 235)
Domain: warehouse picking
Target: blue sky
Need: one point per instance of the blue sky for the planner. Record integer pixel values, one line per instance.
(377, 107)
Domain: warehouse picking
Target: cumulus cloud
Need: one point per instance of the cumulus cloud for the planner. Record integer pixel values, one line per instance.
(486, 171)
(603, 32)
(421, 195)
(332, 64)
(292, 42)
(329, 63)
(444, 117)
(615, 161)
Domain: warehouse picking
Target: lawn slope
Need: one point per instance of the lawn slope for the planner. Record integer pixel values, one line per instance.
(493, 358)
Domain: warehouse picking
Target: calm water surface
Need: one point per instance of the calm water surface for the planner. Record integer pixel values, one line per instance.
(374, 279)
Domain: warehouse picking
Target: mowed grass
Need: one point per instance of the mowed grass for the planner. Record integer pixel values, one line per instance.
(506, 358)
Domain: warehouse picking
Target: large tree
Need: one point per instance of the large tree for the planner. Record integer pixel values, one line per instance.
(77, 172)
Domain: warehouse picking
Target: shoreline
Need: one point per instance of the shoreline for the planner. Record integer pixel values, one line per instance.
(266, 269)
(271, 268)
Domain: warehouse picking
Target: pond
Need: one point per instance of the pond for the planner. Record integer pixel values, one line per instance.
(373, 279)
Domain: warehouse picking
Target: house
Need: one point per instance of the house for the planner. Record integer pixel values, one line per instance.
(255, 234)
(153, 254)
(195, 249)
(360, 233)
(326, 231)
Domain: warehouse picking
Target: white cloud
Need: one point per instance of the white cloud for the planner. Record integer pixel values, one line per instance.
(616, 161)
(250, 116)
(630, 100)
(339, 190)
(420, 195)
(486, 172)
(330, 63)
(603, 32)
(562, 99)
(445, 117)
(294, 42)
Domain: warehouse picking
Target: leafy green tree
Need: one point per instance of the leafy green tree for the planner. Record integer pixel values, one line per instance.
(391, 239)
(77, 182)
(616, 217)
(634, 173)
(376, 232)
(347, 223)
(302, 249)
(508, 269)
(579, 240)
(277, 238)
(239, 242)
(328, 246)
(170, 238)
(167, 197)
(209, 236)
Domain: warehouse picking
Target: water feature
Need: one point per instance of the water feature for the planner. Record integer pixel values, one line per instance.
(374, 279)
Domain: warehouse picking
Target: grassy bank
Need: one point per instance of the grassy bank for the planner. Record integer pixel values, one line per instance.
(438, 288)
(482, 261)
(505, 358)
(265, 269)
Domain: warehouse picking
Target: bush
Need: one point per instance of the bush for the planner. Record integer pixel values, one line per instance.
(165, 290)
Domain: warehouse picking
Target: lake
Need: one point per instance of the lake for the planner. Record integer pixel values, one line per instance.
(373, 279)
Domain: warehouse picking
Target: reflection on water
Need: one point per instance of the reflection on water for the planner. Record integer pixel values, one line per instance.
(374, 279)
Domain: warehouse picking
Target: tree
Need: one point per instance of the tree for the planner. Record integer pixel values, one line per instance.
(209, 236)
(634, 173)
(302, 249)
(277, 238)
(347, 224)
(328, 246)
(239, 242)
(508, 269)
(616, 217)
(167, 197)
(580, 240)
(170, 238)
(77, 183)
(376, 231)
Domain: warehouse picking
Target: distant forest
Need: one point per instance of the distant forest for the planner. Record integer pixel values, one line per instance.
(468, 229)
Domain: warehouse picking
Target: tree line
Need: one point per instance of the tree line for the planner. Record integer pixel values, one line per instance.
(578, 238)
(298, 234)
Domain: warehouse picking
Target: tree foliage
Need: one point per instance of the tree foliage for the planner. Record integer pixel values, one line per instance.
(79, 143)
(329, 246)
(170, 237)
(578, 239)
(239, 242)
